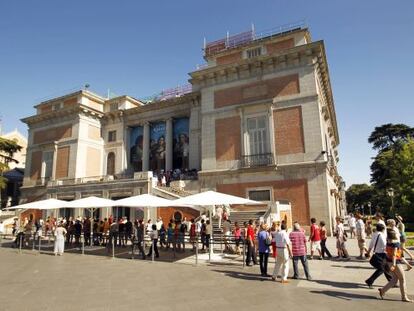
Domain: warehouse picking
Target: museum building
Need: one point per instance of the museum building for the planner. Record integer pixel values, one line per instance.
(257, 121)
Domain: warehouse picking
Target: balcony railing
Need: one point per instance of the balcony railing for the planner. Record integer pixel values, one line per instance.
(254, 160)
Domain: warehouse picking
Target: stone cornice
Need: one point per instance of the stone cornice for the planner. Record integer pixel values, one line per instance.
(78, 109)
(299, 55)
(85, 93)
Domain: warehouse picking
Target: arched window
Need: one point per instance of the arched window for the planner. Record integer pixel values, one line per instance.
(110, 164)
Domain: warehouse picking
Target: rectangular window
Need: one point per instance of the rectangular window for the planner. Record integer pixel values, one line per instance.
(57, 106)
(113, 107)
(111, 136)
(47, 164)
(257, 136)
(260, 195)
(254, 52)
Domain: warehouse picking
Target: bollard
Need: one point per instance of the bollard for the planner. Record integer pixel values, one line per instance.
(20, 243)
(152, 251)
(196, 250)
(40, 241)
(33, 244)
(113, 248)
(244, 253)
(132, 254)
(210, 249)
(83, 245)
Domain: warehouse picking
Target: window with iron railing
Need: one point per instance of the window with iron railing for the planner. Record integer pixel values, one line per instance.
(254, 52)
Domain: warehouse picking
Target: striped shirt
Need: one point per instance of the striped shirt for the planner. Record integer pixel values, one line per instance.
(298, 240)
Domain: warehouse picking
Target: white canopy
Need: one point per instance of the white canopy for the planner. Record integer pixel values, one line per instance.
(90, 202)
(144, 200)
(41, 205)
(209, 198)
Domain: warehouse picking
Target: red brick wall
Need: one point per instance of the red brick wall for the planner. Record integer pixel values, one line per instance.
(35, 213)
(288, 127)
(52, 134)
(228, 59)
(36, 165)
(62, 162)
(279, 46)
(294, 191)
(228, 136)
(167, 213)
(267, 89)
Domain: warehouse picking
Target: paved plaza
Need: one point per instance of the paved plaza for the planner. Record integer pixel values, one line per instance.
(33, 281)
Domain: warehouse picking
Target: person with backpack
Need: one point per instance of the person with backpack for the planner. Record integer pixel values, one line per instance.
(341, 238)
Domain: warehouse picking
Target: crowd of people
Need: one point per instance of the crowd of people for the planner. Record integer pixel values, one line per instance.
(385, 252)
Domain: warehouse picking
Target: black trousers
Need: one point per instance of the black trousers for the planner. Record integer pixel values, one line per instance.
(380, 268)
(263, 260)
(251, 253)
(324, 249)
(154, 243)
(140, 248)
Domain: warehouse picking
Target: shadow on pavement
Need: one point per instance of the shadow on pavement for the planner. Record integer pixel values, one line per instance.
(343, 295)
(353, 267)
(340, 284)
(243, 275)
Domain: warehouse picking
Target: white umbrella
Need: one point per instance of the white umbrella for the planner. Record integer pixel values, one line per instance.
(91, 203)
(41, 205)
(144, 200)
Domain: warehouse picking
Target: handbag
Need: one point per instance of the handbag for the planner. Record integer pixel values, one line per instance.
(268, 240)
(376, 260)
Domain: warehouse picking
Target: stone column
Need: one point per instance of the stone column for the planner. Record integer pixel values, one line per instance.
(169, 144)
(146, 147)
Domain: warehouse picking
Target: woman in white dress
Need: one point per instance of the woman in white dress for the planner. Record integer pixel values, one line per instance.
(60, 233)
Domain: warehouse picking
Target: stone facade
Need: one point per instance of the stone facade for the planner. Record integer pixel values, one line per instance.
(261, 117)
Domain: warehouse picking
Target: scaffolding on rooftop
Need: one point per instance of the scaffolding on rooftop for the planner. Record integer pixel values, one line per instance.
(169, 93)
(243, 38)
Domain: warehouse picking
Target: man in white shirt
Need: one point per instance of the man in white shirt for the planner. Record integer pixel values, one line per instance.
(352, 224)
(284, 252)
(378, 261)
(361, 235)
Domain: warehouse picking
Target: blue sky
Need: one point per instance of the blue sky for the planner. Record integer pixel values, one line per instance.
(141, 47)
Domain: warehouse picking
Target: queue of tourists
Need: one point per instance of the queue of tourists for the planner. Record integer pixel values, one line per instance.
(385, 252)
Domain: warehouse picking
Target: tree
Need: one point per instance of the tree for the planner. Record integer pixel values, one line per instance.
(359, 195)
(7, 149)
(389, 136)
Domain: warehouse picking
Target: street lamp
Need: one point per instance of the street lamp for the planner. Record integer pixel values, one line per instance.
(369, 206)
(390, 192)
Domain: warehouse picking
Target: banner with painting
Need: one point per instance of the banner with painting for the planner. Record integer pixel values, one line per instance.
(157, 146)
(136, 141)
(181, 143)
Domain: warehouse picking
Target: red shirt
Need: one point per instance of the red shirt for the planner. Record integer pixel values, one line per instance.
(315, 233)
(250, 233)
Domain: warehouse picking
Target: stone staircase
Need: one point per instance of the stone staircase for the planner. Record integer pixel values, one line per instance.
(240, 217)
(170, 192)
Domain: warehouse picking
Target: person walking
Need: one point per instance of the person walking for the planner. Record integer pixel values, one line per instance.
(352, 225)
(403, 236)
(209, 234)
(264, 240)
(273, 230)
(361, 236)
(60, 233)
(140, 231)
(393, 256)
(315, 239)
(299, 251)
(251, 251)
(324, 238)
(154, 238)
(340, 238)
(284, 252)
(237, 237)
(378, 259)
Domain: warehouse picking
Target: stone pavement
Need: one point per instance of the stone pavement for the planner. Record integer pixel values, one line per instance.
(32, 281)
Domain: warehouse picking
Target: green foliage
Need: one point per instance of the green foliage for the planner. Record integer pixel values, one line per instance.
(7, 149)
(390, 135)
(359, 195)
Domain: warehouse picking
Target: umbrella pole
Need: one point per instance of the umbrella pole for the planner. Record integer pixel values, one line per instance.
(91, 233)
(210, 251)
